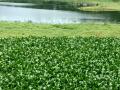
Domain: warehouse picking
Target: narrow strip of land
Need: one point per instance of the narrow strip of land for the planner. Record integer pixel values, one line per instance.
(16, 29)
(103, 6)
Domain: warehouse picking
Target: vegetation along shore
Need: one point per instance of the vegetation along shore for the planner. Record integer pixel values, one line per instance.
(53, 56)
(47, 56)
(17, 29)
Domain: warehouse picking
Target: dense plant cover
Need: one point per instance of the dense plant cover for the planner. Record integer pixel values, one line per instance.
(37, 63)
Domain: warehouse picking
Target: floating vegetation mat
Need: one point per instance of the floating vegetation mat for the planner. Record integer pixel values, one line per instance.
(37, 63)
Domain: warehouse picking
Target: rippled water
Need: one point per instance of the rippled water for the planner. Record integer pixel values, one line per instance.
(28, 12)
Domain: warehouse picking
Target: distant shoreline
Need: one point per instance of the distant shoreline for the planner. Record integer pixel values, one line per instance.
(101, 5)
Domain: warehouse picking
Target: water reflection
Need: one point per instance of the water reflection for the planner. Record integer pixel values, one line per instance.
(19, 12)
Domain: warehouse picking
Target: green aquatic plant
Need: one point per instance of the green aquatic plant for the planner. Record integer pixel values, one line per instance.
(37, 63)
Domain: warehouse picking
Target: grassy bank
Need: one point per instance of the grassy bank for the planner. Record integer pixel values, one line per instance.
(103, 6)
(57, 63)
(16, 29)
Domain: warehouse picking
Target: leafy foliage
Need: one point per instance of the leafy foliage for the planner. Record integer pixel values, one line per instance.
(36, 63)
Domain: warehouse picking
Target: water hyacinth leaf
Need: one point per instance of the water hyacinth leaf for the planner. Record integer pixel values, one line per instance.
(59, 63)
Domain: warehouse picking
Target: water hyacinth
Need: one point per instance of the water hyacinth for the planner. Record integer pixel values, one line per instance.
(37, 63)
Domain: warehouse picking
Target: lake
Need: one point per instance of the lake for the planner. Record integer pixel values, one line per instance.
(29, 12)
